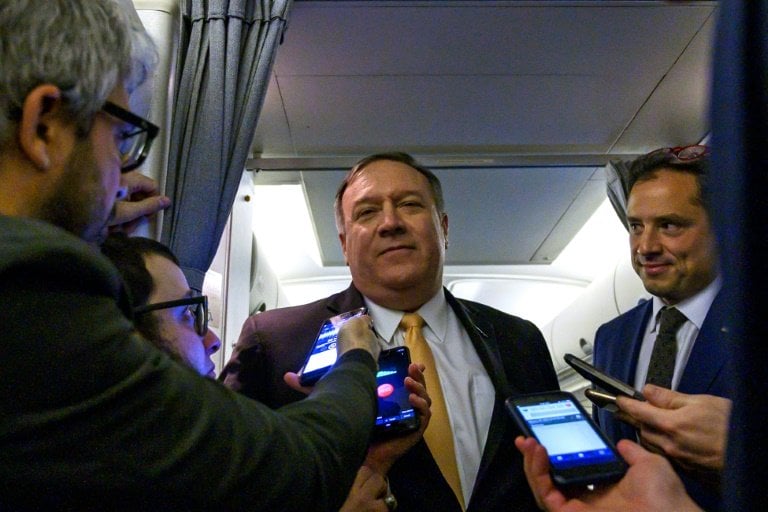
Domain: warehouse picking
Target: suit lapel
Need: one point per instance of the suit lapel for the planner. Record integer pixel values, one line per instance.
(483, 336)
(633, 331)
(346, 300)
(709, 354)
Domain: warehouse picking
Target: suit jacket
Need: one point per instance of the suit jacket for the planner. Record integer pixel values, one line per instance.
(89, 411)
(512, 350)
(708, 371)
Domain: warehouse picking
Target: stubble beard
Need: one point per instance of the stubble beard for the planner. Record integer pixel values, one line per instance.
(77, 205)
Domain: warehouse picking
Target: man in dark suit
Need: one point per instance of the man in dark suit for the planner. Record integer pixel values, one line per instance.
(393, 231)
(674, 252)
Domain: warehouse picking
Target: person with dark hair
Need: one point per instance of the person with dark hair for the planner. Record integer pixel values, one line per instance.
(674, 347)
(166, 310)
(393, 230)
(93, 416)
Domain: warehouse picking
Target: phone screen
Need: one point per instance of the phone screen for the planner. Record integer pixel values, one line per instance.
(579, 453)
(323, 353)
(395, 415)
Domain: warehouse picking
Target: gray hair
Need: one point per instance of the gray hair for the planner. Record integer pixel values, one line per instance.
(84, 47)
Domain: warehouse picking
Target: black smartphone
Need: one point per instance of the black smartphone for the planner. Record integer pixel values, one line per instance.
(601, 399)
(395, 415)
(323, 354)
(600, 379)
(579, 452)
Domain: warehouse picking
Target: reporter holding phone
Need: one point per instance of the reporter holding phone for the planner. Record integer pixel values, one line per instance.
(650, 484)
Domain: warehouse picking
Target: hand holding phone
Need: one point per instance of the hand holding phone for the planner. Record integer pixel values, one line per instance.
(395, 415)
(323, 353)
(579, 453)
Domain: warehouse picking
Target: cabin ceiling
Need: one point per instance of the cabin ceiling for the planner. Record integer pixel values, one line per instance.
(517, 105)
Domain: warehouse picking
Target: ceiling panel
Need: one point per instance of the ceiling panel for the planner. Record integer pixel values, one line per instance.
(491, 222)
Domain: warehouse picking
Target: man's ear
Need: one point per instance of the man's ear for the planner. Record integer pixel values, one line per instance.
(343, 241)
(39, 125)
(444, 225)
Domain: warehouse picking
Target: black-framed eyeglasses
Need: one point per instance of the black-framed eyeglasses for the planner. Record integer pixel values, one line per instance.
(683, 153)
(136, 141)
(198, 307)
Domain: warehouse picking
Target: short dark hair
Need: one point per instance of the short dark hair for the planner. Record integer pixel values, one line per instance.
(645, 168)
(127, 254)
(395, 156)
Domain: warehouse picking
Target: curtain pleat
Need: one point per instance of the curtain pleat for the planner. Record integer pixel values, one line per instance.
(225, 68)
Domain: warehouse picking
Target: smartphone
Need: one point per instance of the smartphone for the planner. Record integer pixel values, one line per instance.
(601, 399)
(323, 353)
(602, 380)
(395, 415)
(579, 452)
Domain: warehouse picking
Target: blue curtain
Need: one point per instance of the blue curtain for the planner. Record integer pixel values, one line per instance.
(739, 115)
(228, 48)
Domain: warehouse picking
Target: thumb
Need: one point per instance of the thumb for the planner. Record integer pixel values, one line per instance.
(631, 451)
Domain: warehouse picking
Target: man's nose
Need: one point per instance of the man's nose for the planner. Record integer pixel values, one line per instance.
(211, 342)
(648, 242)
(391, 221)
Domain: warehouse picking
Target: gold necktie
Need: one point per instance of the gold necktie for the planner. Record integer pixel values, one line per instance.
(438, 435)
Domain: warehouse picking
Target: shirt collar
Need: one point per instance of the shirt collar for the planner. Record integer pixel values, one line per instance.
(434, 312)
(694, 308)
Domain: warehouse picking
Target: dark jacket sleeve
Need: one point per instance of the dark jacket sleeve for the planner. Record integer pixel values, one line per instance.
(90, 413)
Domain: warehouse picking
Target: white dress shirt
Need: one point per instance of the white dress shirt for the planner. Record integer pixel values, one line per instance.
(467, 388)
(695, 310)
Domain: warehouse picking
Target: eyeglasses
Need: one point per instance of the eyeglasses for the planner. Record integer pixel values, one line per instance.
(134, 142)
(197, 306)
(683, 153)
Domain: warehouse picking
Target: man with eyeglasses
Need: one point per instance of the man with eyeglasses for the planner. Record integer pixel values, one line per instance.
(681, 364)
(166, 311)
(92, 416)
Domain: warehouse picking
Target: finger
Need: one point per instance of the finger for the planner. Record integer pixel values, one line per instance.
(416, 372)
(640, 412)
(292, 379)
(536, 468)
(626, 418)
(416, 387)
(665, 398)
(631, 451)
(372, 482)
(135, 182)
(126, 211)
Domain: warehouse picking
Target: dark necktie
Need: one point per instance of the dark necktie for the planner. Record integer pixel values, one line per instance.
(662, 365)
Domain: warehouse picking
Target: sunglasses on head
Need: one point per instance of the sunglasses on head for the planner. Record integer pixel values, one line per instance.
(683, 153)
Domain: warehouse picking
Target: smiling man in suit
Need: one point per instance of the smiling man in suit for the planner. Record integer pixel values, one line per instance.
(393, 230)
(674, 347)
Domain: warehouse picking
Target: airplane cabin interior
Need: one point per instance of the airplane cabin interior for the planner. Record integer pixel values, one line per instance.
(518, 107)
